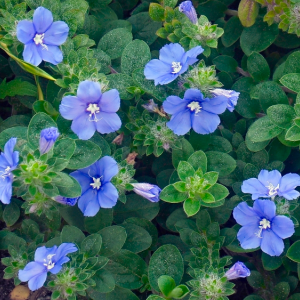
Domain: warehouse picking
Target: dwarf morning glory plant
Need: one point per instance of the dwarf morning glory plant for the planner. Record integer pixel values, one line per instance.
(173, 61)
(262, 227)
(238, 270)
(270, 184)
(232, 97)
(194, 111)
(47, 139)
(45, 260)
(149, 191)
(91, 110)
(9, 160)
(42, 37)
(97, 190)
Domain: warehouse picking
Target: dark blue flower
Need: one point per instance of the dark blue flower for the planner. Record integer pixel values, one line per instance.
(47, 139)
(238, 270)
(149, 191)
(66, 201)
(42, 37)
(271, 184)
(45, 260)
(172, 62)
(188, 9)
(91, 110)
(9, 160)
(232, 97)
(97, 190)
(194, 111)
(262, 227)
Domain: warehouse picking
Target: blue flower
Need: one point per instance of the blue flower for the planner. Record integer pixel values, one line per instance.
(194, 111)
(232, 97)
(188, 9)
(97, 190)
(66, 201)
(42, 37)
(172, 62)
(47, 139)
(149, 191)
(9, 160)
(45, 260)
(91, 110)
(261, 227)
(238, 270)
(271, 184)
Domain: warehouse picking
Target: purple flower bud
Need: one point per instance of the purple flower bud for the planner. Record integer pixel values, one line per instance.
(66, 201)
(151, 106)
(149, 191)
(238, 270)
(47, 139)
(232, 97)
(188, 9)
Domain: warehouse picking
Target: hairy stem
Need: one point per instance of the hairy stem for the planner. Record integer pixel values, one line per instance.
(231, 12)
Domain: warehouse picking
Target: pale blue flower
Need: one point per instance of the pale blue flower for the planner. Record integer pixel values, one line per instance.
(188, 9)
(42, 37)
(232, 97)
(173, 61)
(271, 184)
(149, 191)
(9, 160)
(91, 110)
(47, 139)
(262, 227)
(45, 260)
(66, 201)
(238, 270)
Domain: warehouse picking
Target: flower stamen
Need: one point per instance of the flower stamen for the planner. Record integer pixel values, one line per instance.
(272, 189)
(48, 262)
(176, 66)
(5, 173)
(195, 106)
(264, 224)
(39, 40)
(93, 109)
(97, 183)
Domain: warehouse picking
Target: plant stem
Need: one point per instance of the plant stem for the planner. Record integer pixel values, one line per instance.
(40, 92)
(231, 12)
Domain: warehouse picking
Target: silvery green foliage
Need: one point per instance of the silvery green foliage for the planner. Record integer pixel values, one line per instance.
(183, 246)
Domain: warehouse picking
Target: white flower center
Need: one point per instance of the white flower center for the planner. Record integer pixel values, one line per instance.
(39, 40)
(48, 262)
(264, 224)
(5, 173)
(195, 106)
(272, 189)
(97, 183)
(176, 66)
(93, 109)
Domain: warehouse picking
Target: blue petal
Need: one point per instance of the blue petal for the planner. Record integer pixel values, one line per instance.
(58, 267)
(92, 207)
(9, 152)
(289, 195)
(174, 104)
(42, 252)
(108, 196)
(283, 226)
(5, 189)
(89, 196)
(180, 123)
(52, 55)
(265, 208)
(190, 56)
(289, 182)
(31, 54)
(25, 31)
(271, 243)
(245, 215)
(89, 91)
(108, 122)
(83, 127)
(266, 177)
(42, 19)
(165, 79)
(37, 281)
(63, 250)
(156, 68)
(108, 168)
(31, 269)
(110, 101)
(205, 122)
(247, 237)
(56, 34)
(171, 53)
(193, 94)
(83, 179)
(255, 187)
(71, 107)
(215, 105)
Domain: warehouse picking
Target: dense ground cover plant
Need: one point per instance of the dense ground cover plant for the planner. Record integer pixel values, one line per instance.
(150, 149)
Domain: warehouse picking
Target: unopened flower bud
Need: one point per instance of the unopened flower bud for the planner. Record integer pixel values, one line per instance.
(151, 106)
(238, 270)
(149, 191)
(47, 139)
(66, 201)
(119, 139)
(232, 97)
(188, 9)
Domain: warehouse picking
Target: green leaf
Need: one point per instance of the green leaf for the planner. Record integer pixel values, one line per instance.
(182, 154)
(271, 263)
(64, 148)
(248, 11)
(225, 63)
(185, 170)
(71, 191)
(198, 160)
(71, 234)
(156, 12)
(171, 195)
(293, 252)
(86, 153)
(281, 291)
(256, 134)
(191, 206)
(166, 284)
(102, 219)
(220, 162)
(281, 115)
(293, 134)
(135, 55)
(11, 214)
(91, 245)
(17, 87)
(247, 107)
(121, 82)
(291, 81)
(232, 31)
(258, 66)
(219, 191)
(166, 260)
(105, 283)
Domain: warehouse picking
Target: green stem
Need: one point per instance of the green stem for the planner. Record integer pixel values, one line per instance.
(40, 92)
